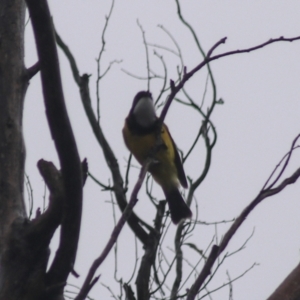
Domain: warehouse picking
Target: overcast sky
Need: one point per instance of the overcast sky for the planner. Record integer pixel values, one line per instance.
(255, 126)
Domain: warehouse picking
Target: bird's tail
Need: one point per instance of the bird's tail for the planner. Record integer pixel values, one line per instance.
(178, 208)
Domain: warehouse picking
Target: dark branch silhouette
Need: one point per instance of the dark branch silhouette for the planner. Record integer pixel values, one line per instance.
(65, 144)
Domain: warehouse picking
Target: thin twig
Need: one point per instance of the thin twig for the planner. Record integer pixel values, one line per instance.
(147, 54)
(107, 18)
(287, 156)
(105, 187)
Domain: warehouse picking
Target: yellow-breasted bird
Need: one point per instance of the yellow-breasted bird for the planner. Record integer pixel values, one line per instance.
(140, 134)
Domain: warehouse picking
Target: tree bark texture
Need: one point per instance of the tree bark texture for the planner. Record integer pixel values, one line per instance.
(289, 289)
(22, 262)
(12, 91)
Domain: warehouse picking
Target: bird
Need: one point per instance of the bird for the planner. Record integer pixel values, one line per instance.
(140, 133)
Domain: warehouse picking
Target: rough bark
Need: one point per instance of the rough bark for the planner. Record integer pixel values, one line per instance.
(12, 91)
(21, 261)
(289, 289)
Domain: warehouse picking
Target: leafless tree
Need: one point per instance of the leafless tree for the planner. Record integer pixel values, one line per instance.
(25, 241)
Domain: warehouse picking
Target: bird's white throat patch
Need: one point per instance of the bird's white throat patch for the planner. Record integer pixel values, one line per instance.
(144, 112)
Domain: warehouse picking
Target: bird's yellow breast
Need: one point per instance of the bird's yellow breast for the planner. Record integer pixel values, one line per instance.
(163, 169)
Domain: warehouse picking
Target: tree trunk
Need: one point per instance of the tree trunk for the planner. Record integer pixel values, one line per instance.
(289, 289)
(22, 265)
(12, 92)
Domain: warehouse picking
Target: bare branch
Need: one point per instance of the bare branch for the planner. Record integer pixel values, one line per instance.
(70, 57)
(45, 225)
(115, 61)
(179, 259)
(127, 171)
(99, 76)
(163, 48)
(89, 281)
(119, 190)
(64, 141)
(128, 291)
(33, 70)
(217, 250)
(287, 156)
(162, 90)
(211, 77)
(137, 76)
(176, 45)
(147, 54)
(30, 195)
(289, 289)
(148, 260)
(230, 281)
(176, 88)
(104, 187)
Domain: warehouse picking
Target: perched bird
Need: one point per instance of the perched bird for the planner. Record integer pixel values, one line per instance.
(140, 134)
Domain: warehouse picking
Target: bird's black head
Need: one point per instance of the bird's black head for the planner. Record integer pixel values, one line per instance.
(140, 95)
(142, 113)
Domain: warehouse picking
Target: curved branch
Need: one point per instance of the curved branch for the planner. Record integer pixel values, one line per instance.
(212, 80)
(217, 250)
(70, 57)
(187, 75)
(119, 190)
(64, 140)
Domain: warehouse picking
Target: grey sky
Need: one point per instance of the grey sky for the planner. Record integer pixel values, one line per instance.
(255, 126)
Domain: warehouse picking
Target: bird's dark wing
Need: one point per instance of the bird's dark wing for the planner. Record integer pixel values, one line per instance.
(178, 164)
